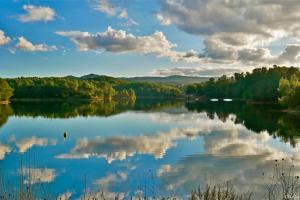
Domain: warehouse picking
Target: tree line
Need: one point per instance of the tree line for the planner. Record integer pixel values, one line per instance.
(70, 88)
(263, 84)
(276, 84)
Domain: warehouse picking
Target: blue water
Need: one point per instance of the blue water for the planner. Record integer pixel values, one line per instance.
(157, 152)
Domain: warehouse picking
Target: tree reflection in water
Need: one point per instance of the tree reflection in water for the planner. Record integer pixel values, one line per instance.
(255, 117)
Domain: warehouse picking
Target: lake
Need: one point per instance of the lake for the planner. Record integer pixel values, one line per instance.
(153, 148)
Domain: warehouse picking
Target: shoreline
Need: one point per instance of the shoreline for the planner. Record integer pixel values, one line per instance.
(52, 100)
(202, 100)
(87, 99)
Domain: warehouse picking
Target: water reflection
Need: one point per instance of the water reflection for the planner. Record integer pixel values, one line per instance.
(256, 117)
(5, 112)
(145, 146)
(85, 108)
(120, 147)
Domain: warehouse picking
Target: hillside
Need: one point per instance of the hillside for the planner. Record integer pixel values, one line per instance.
(176, 79)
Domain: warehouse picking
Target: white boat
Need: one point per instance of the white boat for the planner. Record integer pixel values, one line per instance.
(228, 100)
(214, 100)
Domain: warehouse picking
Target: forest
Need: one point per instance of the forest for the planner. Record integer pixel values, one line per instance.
(275, 84)
(104, 88)
(5, 91)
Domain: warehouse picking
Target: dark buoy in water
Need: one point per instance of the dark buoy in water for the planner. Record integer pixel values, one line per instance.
(65, 134)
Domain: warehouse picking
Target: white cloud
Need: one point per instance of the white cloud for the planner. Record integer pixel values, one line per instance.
(65, 196)
(198, 71)
(25, 144)
(123, 14)
(231, 153)
(28, 143)
(119, 148)
(162, 20)
(237, 31)
(105, 194)
(111, 179)
(3, 39)
(105, 7)
(37, 13)
(3, 151)
(164, 169)
(119, 41)
(290, 54)
(113, 10)
(38, 175)
(261, 18)
(26, 45)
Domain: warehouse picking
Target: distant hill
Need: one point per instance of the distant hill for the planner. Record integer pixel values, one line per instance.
(96, 77)
(176, 79)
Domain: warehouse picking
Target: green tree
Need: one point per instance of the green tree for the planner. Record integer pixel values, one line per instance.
(260, 85)
(5, 90)
(290, 92)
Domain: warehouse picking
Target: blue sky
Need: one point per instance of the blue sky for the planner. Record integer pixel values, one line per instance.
(119, 38)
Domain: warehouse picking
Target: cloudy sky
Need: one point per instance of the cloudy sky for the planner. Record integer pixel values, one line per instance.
(136, 37)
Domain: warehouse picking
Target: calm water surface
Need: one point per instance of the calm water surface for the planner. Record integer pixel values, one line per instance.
(157, 148)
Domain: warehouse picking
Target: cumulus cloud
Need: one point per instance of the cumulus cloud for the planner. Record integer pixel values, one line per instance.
(105, 194)
(119, 148)
(119, 41)
(113, 10)
(231, 152)
(105, 7)
(111, 179)
(28, 143)
(26, 45)
(163, 21)
(3, 39)
(38, 175)
(291, 54)
(37, 13)
(65, 196)
(237, 30)
(25, 144)
(197, 71)
(3, 151)
(234, 154)
(164, 169)
(262, 18)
